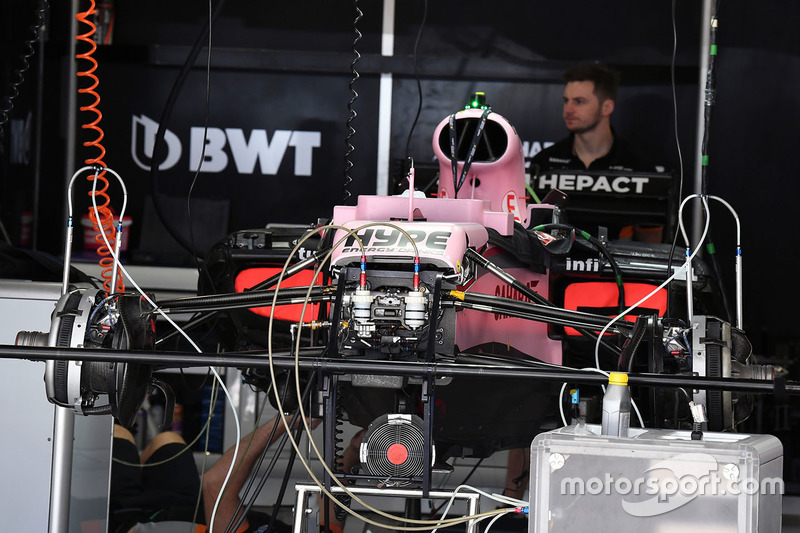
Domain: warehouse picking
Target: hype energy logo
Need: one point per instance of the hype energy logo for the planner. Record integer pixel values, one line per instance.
(670, 484)
(253, 152)
(391, 240)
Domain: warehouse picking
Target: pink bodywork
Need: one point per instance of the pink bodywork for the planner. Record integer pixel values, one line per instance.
(465, 221)
(474, 328)
(502, 181)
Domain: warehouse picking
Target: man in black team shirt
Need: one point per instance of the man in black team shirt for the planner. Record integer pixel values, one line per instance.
(589, 98)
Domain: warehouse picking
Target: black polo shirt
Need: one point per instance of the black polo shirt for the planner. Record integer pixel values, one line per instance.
(581, 210)
(561, 156)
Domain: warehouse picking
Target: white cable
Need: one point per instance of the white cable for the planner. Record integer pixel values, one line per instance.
(738, 265)
(495, 497)
(194, 345)
(509, 500)
(304, 418)
(118, 240)
(95, 168)
(495, 519)
(561, 403)
(667, 282)
(653, 292)
(68, 237)
(704, 199)
(735, 217)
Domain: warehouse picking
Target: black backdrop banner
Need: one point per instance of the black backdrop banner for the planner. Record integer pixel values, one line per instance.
(274, 150)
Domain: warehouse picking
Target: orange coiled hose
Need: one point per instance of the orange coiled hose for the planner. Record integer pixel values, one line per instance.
(106, 218)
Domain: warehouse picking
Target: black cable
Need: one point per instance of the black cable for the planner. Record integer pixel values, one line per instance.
(220, 302)
(625, 363)
(19, 73)
(348, 165)
(284, 482)
(603, 251)
(458, 181)
(260, 461)
(677, 145)
(246, 508)
(416, 77)
(710, 97)
(159, 146)
(200, 263)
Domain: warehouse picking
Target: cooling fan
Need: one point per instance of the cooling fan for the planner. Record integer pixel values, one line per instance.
(393, 448)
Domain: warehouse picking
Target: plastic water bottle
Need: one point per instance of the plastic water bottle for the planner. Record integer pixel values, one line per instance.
(617, 406)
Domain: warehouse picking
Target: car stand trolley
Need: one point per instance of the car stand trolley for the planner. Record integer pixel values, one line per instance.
(302, 510)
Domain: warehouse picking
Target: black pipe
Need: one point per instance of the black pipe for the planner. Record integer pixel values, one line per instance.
(625, 363)
(555, 315)
(235, 300)
(391, 368)
(290, 271)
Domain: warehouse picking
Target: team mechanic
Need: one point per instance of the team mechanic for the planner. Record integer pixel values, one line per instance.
(589, 99)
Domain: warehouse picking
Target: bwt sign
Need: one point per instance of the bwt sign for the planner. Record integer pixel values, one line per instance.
(246, 152)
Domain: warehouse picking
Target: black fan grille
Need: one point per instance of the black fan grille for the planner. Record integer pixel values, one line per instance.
(394, 447)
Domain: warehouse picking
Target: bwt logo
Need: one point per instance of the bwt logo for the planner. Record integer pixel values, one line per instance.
(245, 152)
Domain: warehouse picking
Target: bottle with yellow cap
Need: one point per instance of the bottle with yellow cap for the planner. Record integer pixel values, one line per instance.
(617, 406)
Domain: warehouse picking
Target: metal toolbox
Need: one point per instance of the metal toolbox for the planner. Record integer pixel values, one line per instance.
(655, 480)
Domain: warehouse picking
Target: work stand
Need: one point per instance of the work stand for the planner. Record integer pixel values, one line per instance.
(305, 514)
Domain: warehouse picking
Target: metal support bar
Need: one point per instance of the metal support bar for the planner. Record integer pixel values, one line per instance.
(329, 393)
(61, 470)
(385, 101)
(390, 368)
(434, 318)
(427, 398)
(705, 44)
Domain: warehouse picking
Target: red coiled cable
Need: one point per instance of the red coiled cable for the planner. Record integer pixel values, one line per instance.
(106, 217)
